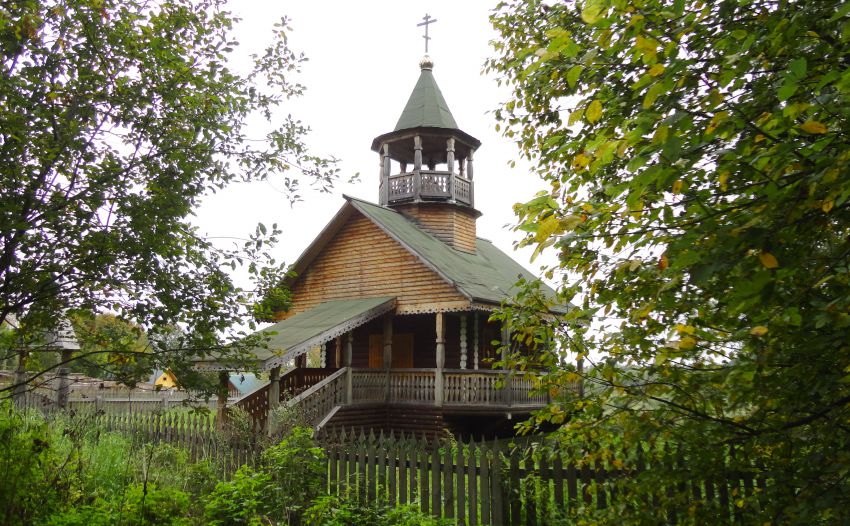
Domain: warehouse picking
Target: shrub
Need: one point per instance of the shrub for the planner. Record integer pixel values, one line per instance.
(336, 511)
(243, 500)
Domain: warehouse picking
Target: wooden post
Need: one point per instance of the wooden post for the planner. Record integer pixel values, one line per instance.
(221, 406)
(417, 167)
(469, 176)
(338, 352)
(475, 341)
(346, 360)
(450, 161)
(274, 387)
(440, 359)
(506, 343)
(385, 173)
(463, 345)
(63, 392)
(388, 353)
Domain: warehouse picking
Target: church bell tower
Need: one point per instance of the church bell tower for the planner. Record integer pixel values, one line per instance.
(426, 166)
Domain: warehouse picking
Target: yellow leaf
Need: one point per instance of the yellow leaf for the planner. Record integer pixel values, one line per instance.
(768, 260)
(547, 228)
(580, 161)
(724, 176)
(663, 263)
(656, 70)
(685, 329)
(758, 330)
(827, 205)
(677, 187)
(813, 127)
(687, 343)
(594, 111)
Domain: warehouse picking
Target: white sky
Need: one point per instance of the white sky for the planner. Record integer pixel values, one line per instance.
(363, 64)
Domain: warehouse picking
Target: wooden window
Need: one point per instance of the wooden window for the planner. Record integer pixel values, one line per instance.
(402, 351)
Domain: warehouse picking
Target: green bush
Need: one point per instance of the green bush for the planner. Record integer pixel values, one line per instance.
(141, 505)
(290, 475)
(243, 500)
(336, 511)
(35, 477)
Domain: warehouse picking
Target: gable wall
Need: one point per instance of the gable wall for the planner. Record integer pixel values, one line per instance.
(362, 261)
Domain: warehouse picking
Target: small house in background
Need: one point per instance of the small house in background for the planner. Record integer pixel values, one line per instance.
(164, 380)
(394, 298)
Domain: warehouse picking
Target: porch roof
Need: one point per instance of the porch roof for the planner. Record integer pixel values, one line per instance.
(305, 330)
(294, 336)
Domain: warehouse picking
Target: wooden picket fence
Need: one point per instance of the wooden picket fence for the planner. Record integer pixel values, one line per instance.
(499, 482)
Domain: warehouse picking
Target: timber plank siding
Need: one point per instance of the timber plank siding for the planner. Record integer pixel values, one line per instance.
(451, 225)
(362, 261)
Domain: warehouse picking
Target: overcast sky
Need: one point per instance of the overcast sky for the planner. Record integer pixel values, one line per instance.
(363, 64)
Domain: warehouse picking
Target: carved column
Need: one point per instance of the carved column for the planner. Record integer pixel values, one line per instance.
(417, 167)
(388, 353)
(274, 399)
(475, 341)
(463, 344)
(385, 174)
(450, 161)
(440, 359)
(506, 343)
(323, 356)
(469, 176)
(346, 361)
(274, 387)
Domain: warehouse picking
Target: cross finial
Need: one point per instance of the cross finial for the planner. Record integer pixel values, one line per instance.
(427, 21)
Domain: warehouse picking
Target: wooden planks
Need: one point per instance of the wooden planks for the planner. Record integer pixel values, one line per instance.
(362, 261)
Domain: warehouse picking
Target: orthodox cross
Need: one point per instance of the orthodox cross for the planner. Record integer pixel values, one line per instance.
(427, 20)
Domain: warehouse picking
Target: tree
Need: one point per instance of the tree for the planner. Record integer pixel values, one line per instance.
(696, 155)
(115, 118)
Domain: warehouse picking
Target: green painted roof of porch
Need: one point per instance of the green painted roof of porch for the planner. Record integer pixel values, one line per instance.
(320, 322)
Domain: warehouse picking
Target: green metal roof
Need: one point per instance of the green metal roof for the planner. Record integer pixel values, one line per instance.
(426, 106)
(489, 275)
(318, 325)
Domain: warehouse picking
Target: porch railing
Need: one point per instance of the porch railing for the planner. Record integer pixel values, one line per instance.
(461, 387)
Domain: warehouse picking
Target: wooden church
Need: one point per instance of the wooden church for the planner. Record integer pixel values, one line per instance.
(394, 299)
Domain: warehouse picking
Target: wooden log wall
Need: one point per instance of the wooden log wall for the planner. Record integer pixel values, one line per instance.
(451, 224)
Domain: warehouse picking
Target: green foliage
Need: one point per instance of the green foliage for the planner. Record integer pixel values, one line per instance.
(241, 500)
(141, 505)
(110, 347)
(335, 511)
(31, 479)
(117, 118)
(696, 160)
(290, 475)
